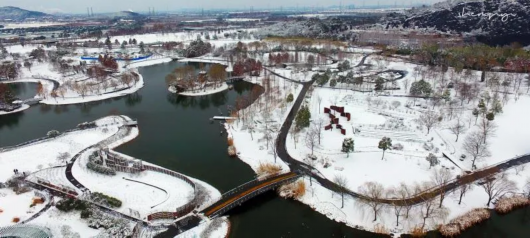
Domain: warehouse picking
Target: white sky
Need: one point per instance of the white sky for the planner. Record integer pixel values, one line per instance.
(78, 6)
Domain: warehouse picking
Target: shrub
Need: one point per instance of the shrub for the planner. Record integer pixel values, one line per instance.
(333, 83)
(53, 133)
(111, 201)
(507, 204)
(290, 97)
(95, 164)
(268, 169)
(86, 213)
(293, 190)
(15, 219)
(303, 117)
(463, 222)
(70, 204)
(230, 141)
(381, 229)
(417, 231)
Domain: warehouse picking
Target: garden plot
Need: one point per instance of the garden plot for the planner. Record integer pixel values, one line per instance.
(146, 193)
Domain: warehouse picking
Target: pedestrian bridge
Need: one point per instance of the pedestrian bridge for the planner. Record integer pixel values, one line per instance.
(237, 196)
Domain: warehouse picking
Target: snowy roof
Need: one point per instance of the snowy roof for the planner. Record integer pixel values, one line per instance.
(25, 231)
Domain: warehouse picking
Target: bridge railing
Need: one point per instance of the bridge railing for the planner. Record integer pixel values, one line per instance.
(238, 188)
(252, 194)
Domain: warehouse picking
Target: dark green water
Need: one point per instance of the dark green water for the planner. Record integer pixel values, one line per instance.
(175, 132)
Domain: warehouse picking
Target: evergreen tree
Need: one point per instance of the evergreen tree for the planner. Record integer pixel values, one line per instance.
(385, 144)
(303, 117)
(490, 116)
(290, 97)
(420, 88)
(333, 83)
(432, 159)
(379, 84)
(348, 146)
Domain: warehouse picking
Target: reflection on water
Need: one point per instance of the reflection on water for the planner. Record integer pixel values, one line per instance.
(10, 121)
(133, 99)
(23, 91)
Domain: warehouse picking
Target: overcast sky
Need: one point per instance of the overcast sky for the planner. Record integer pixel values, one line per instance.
(79, 6)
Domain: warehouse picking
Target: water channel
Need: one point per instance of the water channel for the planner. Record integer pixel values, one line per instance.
(175, 132)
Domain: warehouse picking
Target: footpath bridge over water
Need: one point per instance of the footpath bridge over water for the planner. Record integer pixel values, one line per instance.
(237, 196)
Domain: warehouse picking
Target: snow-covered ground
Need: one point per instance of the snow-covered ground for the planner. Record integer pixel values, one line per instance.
(16, 206)
(22, 108)
(168, 194)
(394, 116)
(205, 91)
(208, 229)
(45, 154)
(55, 220)
(252, 148)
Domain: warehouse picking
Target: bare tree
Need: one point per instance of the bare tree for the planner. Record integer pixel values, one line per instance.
(488, 129)
(63, 156)
(428, 209)
(374, 193)
(441, 178)
(497, 186)
(462, 190)
(342, 183)
(251, 129)
(398, 208)
(396, 104)
(457, 128)
(429, 120)
(273, 150)
(311, 138)
(406, 83)
(294, 134)
(527, 188)
(475, 146)
(319, 126)
(519, 169)
(319, 99)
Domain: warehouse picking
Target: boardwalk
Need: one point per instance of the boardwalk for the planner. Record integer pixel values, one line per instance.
(228, 202)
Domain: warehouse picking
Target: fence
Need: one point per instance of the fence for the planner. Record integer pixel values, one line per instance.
(182, 210)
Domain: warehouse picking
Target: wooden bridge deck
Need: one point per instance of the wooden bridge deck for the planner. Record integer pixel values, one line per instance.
(230, 200)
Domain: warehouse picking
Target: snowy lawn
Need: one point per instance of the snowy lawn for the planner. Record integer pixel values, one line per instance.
(205, 91)
(135, 195)
(365, 164)
(41, 155)
(13, 205)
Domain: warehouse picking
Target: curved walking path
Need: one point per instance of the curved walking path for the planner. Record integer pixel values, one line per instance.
(48, 206)
(296, 165)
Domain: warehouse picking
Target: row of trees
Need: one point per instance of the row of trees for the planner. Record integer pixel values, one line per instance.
(186, 77)
(376, 195)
